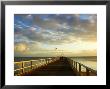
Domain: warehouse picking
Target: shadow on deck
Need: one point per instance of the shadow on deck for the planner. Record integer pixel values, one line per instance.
(60, 67)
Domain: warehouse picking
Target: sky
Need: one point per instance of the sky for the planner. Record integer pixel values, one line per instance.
(48, 35)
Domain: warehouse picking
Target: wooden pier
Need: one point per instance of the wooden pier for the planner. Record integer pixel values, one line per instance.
(59, 66)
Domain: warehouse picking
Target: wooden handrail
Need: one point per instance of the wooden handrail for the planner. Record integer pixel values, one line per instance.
(90, 69)
(41, 62)
(74, 64)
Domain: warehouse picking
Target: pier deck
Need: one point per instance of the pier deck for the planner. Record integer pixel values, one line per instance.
(60, 67)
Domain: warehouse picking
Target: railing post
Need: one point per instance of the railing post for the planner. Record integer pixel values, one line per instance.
(31, 64)
(76, 66)
(87, 72)
(79, 69)
(72, 64)
(22, 67)
(46, 61)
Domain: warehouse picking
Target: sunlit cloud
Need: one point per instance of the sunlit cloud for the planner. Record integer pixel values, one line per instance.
(40, 34)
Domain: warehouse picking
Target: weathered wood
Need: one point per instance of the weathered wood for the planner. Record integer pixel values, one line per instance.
(31, 64)
(79, 69)
(87, 72)
(76, 66)
(58, 68)
(22, 67)
(87, 68)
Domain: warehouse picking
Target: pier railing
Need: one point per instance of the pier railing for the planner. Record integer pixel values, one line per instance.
(27, 66)
(82, 70)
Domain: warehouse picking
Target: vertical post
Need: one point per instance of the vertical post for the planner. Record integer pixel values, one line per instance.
(76, 66)
(79, 69)
(31, 64)
(46, 61)
(22, 67)
(36, 64)
(87, 72)
(72, 64)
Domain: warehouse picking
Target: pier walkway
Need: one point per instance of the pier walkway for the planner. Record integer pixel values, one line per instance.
(60, 67)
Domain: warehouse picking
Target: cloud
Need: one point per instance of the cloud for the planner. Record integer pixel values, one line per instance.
(20, 47)
(35, 30)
